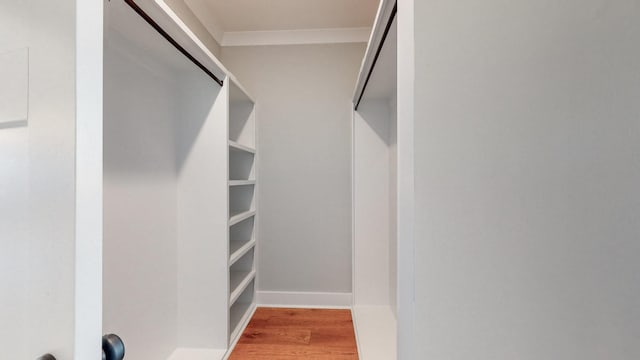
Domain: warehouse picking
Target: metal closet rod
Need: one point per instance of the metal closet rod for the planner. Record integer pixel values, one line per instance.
(394, 11)
(168, 37)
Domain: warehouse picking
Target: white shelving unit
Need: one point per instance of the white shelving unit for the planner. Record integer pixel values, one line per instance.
(242, 197)
(375, 193)
(180, 192)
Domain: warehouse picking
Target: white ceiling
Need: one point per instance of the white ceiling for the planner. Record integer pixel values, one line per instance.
(221, 16)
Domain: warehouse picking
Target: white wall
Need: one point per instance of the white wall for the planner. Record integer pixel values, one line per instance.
(372, 203)
(527, 203)
(47, 112)
(201, 149)
(38, 241)
(304, 129)
(14, 247)
(140, 200)
(14, 181)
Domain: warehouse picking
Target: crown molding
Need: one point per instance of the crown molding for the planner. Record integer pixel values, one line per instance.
(296, 37)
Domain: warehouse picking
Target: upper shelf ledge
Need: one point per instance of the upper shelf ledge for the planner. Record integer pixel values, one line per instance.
(386, 12)
(237, 146)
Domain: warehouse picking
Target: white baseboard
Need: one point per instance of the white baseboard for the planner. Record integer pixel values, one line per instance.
(322, 300)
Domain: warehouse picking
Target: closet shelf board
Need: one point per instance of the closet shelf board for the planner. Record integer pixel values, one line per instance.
(234, 146)
(237, 251)
(239, 281)
(242, 216)
(241, 182)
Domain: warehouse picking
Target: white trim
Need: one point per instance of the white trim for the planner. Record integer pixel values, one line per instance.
(353, 201)
(406, 98)
(292, 299)
(88, 179)
(296, 37)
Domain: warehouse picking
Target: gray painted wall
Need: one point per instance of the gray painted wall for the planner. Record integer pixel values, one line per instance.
(527, 179)
(304, 132)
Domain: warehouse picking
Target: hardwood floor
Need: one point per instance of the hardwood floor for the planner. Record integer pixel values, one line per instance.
(284, 334)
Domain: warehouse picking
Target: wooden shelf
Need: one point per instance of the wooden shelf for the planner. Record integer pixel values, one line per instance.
(238, 248)
(239, 280)
(236, 218)
(234, 146)
(241, 182)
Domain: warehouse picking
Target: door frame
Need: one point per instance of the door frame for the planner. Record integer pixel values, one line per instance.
(89, 169)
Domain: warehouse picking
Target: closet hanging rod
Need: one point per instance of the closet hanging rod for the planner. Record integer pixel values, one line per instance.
(168, 37)
(378, 51)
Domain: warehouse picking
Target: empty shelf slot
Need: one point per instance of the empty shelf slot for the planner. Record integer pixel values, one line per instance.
(241, 238)
(236, 218)
(242, 120)
(241, 199)
(240, 274)
(241, 165)
(240, 279)
(240, 310)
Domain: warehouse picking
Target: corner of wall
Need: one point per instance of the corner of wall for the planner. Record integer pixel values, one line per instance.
(186, 14)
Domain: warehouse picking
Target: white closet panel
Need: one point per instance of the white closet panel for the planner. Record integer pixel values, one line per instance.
(375, 194)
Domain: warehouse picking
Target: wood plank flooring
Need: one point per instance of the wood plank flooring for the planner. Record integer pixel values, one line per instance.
(285, 334)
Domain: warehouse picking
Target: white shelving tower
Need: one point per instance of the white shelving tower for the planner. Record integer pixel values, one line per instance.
(242, 197)
(180, 191)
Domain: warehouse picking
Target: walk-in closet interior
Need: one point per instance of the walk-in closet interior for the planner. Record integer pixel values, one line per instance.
(135, 156)
(181, 190)
(423, 179)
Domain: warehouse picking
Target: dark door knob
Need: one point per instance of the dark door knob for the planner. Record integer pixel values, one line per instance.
(112, 347)
(47, 357)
